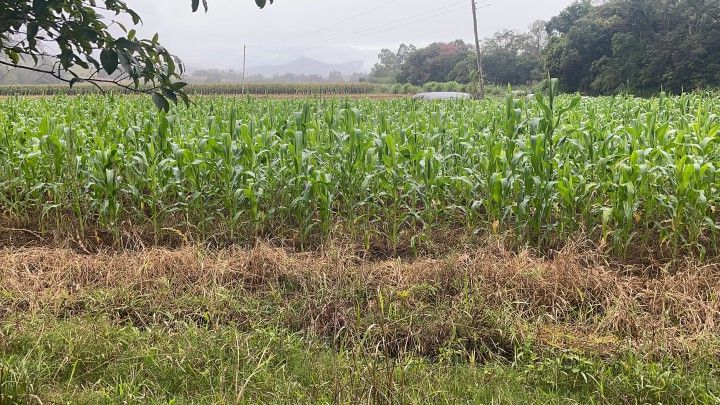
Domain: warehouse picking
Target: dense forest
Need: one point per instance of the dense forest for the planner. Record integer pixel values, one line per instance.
(635, 46)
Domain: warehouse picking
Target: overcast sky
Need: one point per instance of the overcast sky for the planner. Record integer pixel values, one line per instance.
(330, 30)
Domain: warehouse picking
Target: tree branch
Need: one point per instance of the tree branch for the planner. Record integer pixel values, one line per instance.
(91, 80)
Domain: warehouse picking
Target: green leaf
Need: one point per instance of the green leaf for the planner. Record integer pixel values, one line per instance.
(160, 102)
(195, 5)
(130, 45)
(135, 17)
(66, 56)
(260, 3)
(170, 95)
(575, 101)
(184, 98)
(32, 30)
(125, 62)
(14, 56)
(109, 60)
(82, 64)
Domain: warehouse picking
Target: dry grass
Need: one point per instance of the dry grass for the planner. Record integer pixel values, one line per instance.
(575, 300)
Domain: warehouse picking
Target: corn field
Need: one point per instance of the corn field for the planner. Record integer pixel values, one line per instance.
(623, 173)
(207, 89)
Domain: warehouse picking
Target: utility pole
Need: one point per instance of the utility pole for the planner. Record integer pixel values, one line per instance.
(481, 79)
(243, 74)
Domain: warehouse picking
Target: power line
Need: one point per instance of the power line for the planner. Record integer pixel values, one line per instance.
(314, 31)
(335, 24)
(371, 28)
(352, 36)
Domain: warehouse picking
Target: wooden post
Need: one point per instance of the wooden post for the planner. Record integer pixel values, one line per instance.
(481, 79)
(243, 73)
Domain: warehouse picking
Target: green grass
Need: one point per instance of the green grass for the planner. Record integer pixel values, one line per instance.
(92, 359)
(155, 328)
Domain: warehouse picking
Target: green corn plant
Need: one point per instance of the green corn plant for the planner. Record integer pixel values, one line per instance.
(390, 175)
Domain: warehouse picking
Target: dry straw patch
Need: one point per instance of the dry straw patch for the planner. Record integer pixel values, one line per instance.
(575, 298)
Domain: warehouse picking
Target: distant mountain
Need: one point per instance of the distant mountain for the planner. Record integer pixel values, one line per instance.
(307, 66)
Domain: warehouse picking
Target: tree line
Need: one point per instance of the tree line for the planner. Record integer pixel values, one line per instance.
(634, 46)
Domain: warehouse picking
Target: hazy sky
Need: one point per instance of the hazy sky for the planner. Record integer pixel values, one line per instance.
(330, 30)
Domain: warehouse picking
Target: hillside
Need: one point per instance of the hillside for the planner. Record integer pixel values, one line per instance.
(307, 66)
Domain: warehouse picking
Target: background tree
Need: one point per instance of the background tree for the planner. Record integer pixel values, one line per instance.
(510, 57)
(72, 41)
(335, 77)
(388, 67)
(435, 63)
(577, 41)
(539, 36)
(638, 46)
(565, 21)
